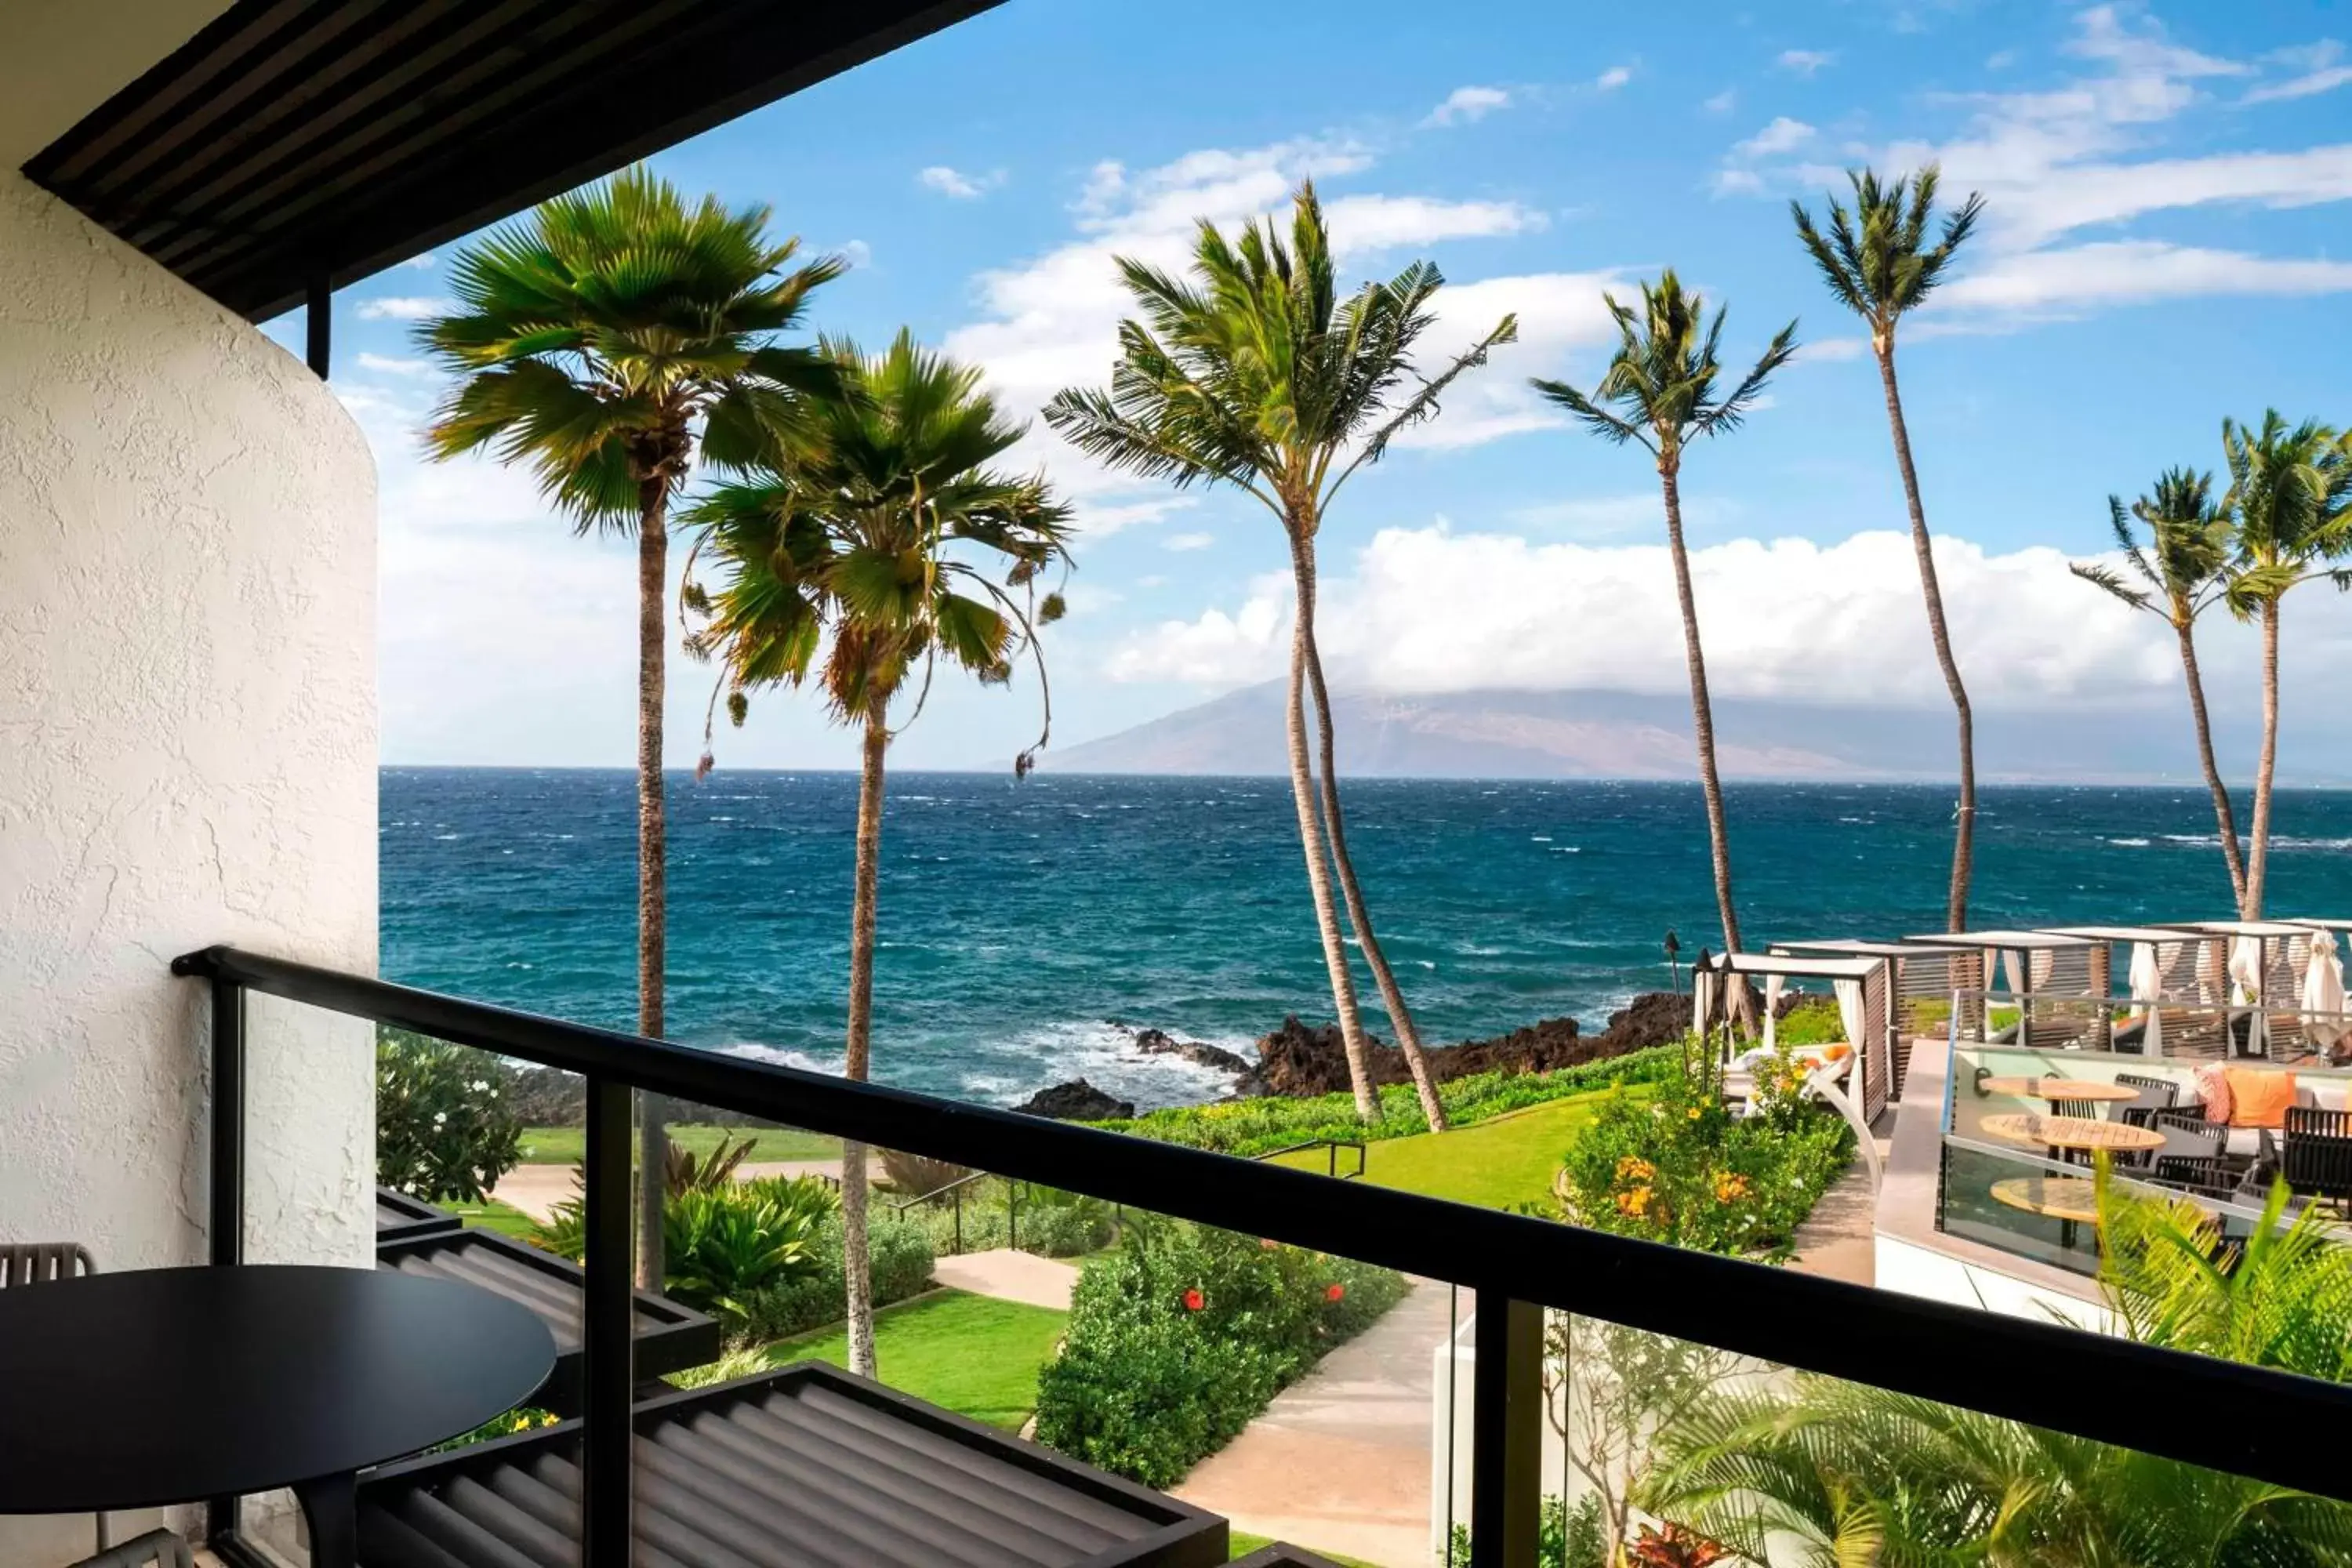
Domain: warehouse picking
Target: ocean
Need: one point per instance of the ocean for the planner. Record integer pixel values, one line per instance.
(1023, 924)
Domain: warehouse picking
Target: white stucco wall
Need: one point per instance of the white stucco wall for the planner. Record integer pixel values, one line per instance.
(187, 755)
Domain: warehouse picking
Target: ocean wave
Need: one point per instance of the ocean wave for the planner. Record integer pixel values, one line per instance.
(1102, 1053)
(830, 1064)
(1538, 837)
(2129, 843)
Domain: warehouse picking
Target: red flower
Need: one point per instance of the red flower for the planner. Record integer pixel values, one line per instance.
(1194, 1300)
(1333, 1292)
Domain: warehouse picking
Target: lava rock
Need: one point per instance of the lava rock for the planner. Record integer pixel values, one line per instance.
(1076, 1100)
(1299, 1060)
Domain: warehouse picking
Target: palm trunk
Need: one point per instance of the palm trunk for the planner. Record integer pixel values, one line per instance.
(2225, 818)
(858, 1057)
(1302, 559)
(1964, 832)
(1719, 834)
(1318, 879)
(2258, 857)
(653, 914)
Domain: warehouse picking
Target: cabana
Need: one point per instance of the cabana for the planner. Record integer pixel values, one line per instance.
(1916, 971)
(2037, 968)
(2157, 965)
(1860, 987)
(2264, 969)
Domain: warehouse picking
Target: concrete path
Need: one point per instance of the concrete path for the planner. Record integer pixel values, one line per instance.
(1839, 1239)
(1010, 1276)
(1340, 1460)
(537, 1189)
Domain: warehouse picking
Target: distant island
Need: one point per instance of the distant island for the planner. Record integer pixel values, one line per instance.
(1592, 734)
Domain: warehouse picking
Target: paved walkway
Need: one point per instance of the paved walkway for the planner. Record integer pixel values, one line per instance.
(1010, 1276)
(537, 1189)
(1340, 1460)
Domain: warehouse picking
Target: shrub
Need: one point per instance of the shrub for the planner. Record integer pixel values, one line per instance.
(718, 1247)
(1183, 1334)
(1056, 1223)
(1565, 1538)
(1258, 1126)
(1676, 1167)
(444, 1128)
(900, 1255)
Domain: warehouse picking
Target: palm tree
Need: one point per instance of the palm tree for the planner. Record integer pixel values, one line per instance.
(1878, 260)
(1827, 1474)
(1661, 383)
(2181, 570)
(600, 338)
(883, 532)
(1257, 373)
(2290, 495)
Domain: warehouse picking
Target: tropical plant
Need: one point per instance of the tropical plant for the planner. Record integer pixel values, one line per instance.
(446, 1129)
(1879, 263)
(2180, 575)
(712, 1173)
(2291, 497)
(722, 1246)
(900, 1258)
(1565, 1537)
(1659, 392)
(1257, 373)
(884, 528)
(599, 339)
(919, 1175)
(1608, 1390)
(1825, 1473)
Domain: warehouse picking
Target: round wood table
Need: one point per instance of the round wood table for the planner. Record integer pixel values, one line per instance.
(2060, 1197)
(2071, 1132)
(171, 1385)
(2058, 1089)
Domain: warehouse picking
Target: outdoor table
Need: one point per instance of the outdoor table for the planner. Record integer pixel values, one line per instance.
(2067, 1199)
(2057, 1089)
(2071, 1132)
(171, 1385)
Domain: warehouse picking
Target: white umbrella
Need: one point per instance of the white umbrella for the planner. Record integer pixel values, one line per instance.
(2323, 992)
(2147, 985)
(2246, 987)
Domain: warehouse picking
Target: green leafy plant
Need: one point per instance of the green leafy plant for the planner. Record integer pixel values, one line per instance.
(1182, 1335)
(722, 1246)
(443, 1130)
(684, 1171)
(735, 1363)
(1565, 1537)
(900, 1256)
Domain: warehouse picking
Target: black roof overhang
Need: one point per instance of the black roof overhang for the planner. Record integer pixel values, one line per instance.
(300, 139)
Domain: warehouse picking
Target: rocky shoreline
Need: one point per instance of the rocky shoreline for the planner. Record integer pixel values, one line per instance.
(1300, 1060)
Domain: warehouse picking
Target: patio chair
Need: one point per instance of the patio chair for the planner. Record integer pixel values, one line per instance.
(2317, 1155)
(156, 1549)
(2155, 1094)
(2194, 1152)
(24, 1264)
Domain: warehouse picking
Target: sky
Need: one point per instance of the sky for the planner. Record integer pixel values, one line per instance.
(2165, 242)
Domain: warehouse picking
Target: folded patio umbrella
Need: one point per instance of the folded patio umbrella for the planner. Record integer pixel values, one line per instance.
(2323, 992)
(2147, 986)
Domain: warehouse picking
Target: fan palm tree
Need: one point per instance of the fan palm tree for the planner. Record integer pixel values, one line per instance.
(886, 549)
(1256, 372)
(1829, 1474)
(599, 339)
(1659, 392)
(2180, 574)
(1878, 261)
(2290, 495)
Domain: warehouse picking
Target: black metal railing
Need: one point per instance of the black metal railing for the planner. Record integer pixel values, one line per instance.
(1330, 1147)
(2252, 1421)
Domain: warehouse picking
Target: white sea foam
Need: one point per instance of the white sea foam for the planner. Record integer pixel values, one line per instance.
(2129, 843)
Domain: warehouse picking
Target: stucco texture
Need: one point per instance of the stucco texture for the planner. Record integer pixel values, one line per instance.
(187, 755)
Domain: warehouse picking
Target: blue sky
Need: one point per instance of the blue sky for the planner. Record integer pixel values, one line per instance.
(2165, 243)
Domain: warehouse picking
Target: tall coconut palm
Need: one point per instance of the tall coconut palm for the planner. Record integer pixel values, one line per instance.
(1659, 392)
(1257, 373)
(1878, 260)
(2290, 495)
(891, 532)
(599, 339)
(2180, 574)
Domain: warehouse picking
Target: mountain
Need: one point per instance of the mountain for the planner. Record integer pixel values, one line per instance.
(1640, 735)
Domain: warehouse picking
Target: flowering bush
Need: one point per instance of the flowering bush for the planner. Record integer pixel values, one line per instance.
(1181, 1335)
(1677, 1167)
(445, 1131)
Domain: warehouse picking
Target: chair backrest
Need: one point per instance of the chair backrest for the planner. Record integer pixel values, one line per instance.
(39, 1262)
(2187, 1135)
(2316, 1157)
(156, 1549)
(2155, 1093)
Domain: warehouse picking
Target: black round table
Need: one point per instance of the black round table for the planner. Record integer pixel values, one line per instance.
(172, 1386)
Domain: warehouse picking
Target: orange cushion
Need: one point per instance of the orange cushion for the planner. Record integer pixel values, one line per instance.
(2259, 1097)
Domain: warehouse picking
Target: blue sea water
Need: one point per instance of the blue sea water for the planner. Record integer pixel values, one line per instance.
(1021, 924)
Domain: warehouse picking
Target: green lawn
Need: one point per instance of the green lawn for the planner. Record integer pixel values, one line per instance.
(1244, 1544)
(566, 1145)
(1496, 1164)
(972, 1354)
(492, 1215)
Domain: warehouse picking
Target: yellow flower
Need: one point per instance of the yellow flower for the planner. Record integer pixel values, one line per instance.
(1633, 1168)
(549, 1419)
(1694, 1113)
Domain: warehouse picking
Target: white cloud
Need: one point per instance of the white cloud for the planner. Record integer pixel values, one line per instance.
(387, 365)
(1467, 105)
(1100, 520)
(855, 253)
(1362, 224)
(1737, 182)
(2321, 70)
(1723, 103)
(1429, 610)
(1783, 135)
(1833, 348)
(954, 183)
(424, 262)
(405, 308)
(1613, 78)
(2132, 272)
(1805, 62)
(1559, 313)
(1188, 542)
